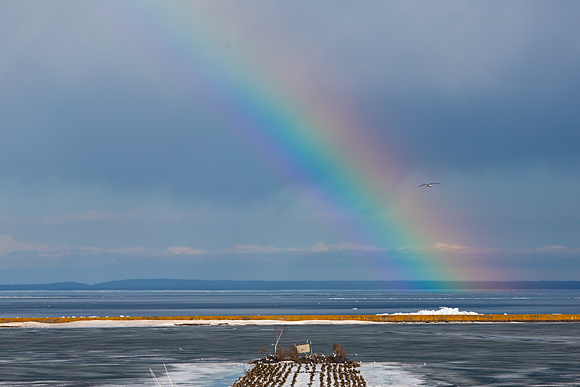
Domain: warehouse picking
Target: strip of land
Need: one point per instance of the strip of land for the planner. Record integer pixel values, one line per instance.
(282, 319)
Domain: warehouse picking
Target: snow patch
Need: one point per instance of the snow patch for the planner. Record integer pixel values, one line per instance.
(224, 374)
(443, 310)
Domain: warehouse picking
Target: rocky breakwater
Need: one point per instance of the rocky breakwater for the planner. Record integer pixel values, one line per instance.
(287, 368)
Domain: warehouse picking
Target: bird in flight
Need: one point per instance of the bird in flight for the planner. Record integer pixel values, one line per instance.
(427, 185)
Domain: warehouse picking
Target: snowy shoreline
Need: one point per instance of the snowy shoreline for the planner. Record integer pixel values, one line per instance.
(105, 323)
(130, 322)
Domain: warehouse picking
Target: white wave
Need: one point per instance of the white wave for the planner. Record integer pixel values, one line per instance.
(443, 310)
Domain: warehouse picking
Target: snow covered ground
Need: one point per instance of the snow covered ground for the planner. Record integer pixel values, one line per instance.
(443, 310)
(160, 323)
(218, 374)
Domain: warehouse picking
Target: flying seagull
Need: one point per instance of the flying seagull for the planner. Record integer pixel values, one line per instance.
(428, 185)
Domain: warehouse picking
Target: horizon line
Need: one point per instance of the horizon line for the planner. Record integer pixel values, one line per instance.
(201, 284)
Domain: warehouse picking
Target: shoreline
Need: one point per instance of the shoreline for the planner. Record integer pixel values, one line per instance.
(160, 321)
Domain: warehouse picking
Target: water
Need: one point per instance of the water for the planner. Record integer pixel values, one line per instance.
(391, 354)
(217, 303)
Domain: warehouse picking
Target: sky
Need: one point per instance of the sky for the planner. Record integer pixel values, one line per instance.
(270, 140)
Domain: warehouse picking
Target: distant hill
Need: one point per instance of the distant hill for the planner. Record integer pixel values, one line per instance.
(177, 284)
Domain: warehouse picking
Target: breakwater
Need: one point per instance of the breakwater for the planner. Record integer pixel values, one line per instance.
(291, 374)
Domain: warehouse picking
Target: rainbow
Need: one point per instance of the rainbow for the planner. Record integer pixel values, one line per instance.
(268, 101)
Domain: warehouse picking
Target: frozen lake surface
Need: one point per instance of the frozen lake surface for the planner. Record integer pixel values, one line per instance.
(391, 354)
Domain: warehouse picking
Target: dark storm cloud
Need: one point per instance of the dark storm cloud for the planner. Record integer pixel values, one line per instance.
(487, 104)
(125, 136)
(105, 143)
(81, 104)
(514, 128)
(459, 87)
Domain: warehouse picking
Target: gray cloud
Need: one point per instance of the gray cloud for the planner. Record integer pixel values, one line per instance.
(470, 85)
(341, 261)
(105, 143)
(128, 142)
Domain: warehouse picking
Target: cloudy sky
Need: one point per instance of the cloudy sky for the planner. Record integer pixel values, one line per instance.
(287, 140)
